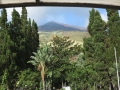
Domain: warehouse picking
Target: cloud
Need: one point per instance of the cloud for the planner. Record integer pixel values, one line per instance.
(59, 14)
(69, 15)
(78, 16)
(60, 19)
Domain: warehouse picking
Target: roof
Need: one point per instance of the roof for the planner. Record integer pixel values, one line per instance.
(76, 3)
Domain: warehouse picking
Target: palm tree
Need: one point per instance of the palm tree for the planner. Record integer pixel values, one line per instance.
(40, 58)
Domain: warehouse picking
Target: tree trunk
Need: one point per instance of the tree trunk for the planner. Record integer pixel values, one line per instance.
(43, 85)
(8, 87)
(117, 68)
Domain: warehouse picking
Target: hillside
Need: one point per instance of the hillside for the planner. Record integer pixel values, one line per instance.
(74, 35)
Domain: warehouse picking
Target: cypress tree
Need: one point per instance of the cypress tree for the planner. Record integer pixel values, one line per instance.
(15, 45)
(24, 21)
(29, 39)
(3, 18)
(24, 28)
(29, 34)
(15, 27)
(113, 27)
(35, 36)
(29, 42)
(114, 38)
(88, 46)
(91, 20)
(6, 54)
(95, 46)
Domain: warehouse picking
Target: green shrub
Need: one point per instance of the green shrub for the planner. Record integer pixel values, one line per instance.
(28, 79)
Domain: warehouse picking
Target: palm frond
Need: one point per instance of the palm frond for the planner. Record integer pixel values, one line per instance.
(33, 62)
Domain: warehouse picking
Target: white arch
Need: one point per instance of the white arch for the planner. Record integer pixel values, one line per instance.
(76, 3)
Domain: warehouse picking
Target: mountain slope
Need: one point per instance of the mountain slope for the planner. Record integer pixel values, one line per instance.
(55, 26)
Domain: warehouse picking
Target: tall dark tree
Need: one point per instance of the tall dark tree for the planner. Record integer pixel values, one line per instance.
(15, 45)
(29, 40)
(97, 47)
(6, 55)
(16, 36)
(35, 36)
(24, 22)
(3, 19)
(29, 35)
(91, 20)
(24, 38)
(114, 38)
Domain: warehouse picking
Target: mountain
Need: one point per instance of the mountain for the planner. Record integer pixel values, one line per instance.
(55, 26)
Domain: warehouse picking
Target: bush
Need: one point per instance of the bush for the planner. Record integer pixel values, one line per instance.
(28, 79)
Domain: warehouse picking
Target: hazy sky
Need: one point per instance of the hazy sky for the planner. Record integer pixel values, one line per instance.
(78, 16)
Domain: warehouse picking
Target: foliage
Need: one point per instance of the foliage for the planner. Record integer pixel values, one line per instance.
(61, 60)
(64, 50)
(40, 58)
(113, 72)
(28, 79)
(14, 53)
(96, 51)
(114, 40)
(4, 80)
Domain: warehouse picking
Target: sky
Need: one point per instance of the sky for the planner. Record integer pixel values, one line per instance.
(77, 16)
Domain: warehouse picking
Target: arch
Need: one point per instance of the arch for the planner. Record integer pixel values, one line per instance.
(75, 3)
